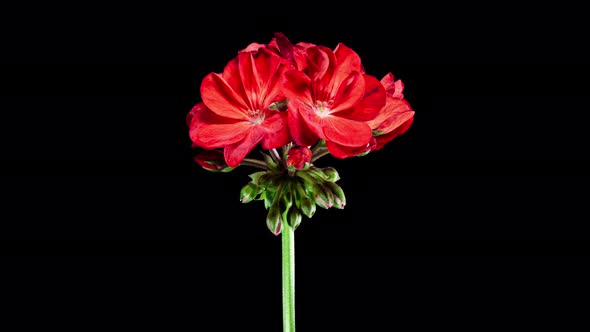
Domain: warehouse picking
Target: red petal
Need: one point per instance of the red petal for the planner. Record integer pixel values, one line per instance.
(271, 70)
(253, 47)
(251, 81)
(299, 130)
(309, 116)
(346, 132)
(347, 61)
(222, 98)
(371, 104)
(192, 112)
(210, 130)
(395, 112)
(341, 151)
(231, 74)
(283, 45)
(383, 139)
(393, 88)
(321, 63)
(297, 86)
(276, 132)
(350, 92)
(219, 135)
(235, 153)
(300, 55)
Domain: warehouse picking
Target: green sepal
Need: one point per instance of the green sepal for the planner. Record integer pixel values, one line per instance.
(227, 169)
(364, 153)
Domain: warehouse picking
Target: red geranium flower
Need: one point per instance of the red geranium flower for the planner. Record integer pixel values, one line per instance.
(395, 117)
(332, 99)
(237, 110)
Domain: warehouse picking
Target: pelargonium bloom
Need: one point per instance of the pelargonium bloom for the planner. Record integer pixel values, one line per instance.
(395, 117)
(237, 110)
(333, 99)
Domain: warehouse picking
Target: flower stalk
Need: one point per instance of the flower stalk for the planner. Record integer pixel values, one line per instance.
(288, 269)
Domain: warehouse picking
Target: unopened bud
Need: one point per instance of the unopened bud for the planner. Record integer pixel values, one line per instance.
(331, 174)
(249, 192)
(308, 206)
(339, 198)
(294, 217)
(324, 197)
(299, 157)
(273, 220)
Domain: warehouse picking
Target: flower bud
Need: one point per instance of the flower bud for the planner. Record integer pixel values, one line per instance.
(324, 197)
(273, 220)
(330, 174)
(213, 161)
(308, 206)
(249, 192)
(299, 157)
(294, 217)
(302, 201)
(339, 198)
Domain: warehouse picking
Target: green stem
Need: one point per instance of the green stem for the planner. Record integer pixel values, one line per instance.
(318, 146)
(319, 153)
(254, 163)
(288, 250)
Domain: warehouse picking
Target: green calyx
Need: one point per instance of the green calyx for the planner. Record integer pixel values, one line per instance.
(289, 195)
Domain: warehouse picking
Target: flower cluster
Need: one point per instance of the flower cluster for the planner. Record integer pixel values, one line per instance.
(308, 100)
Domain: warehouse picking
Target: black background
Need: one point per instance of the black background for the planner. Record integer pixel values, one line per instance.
(473, 218)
